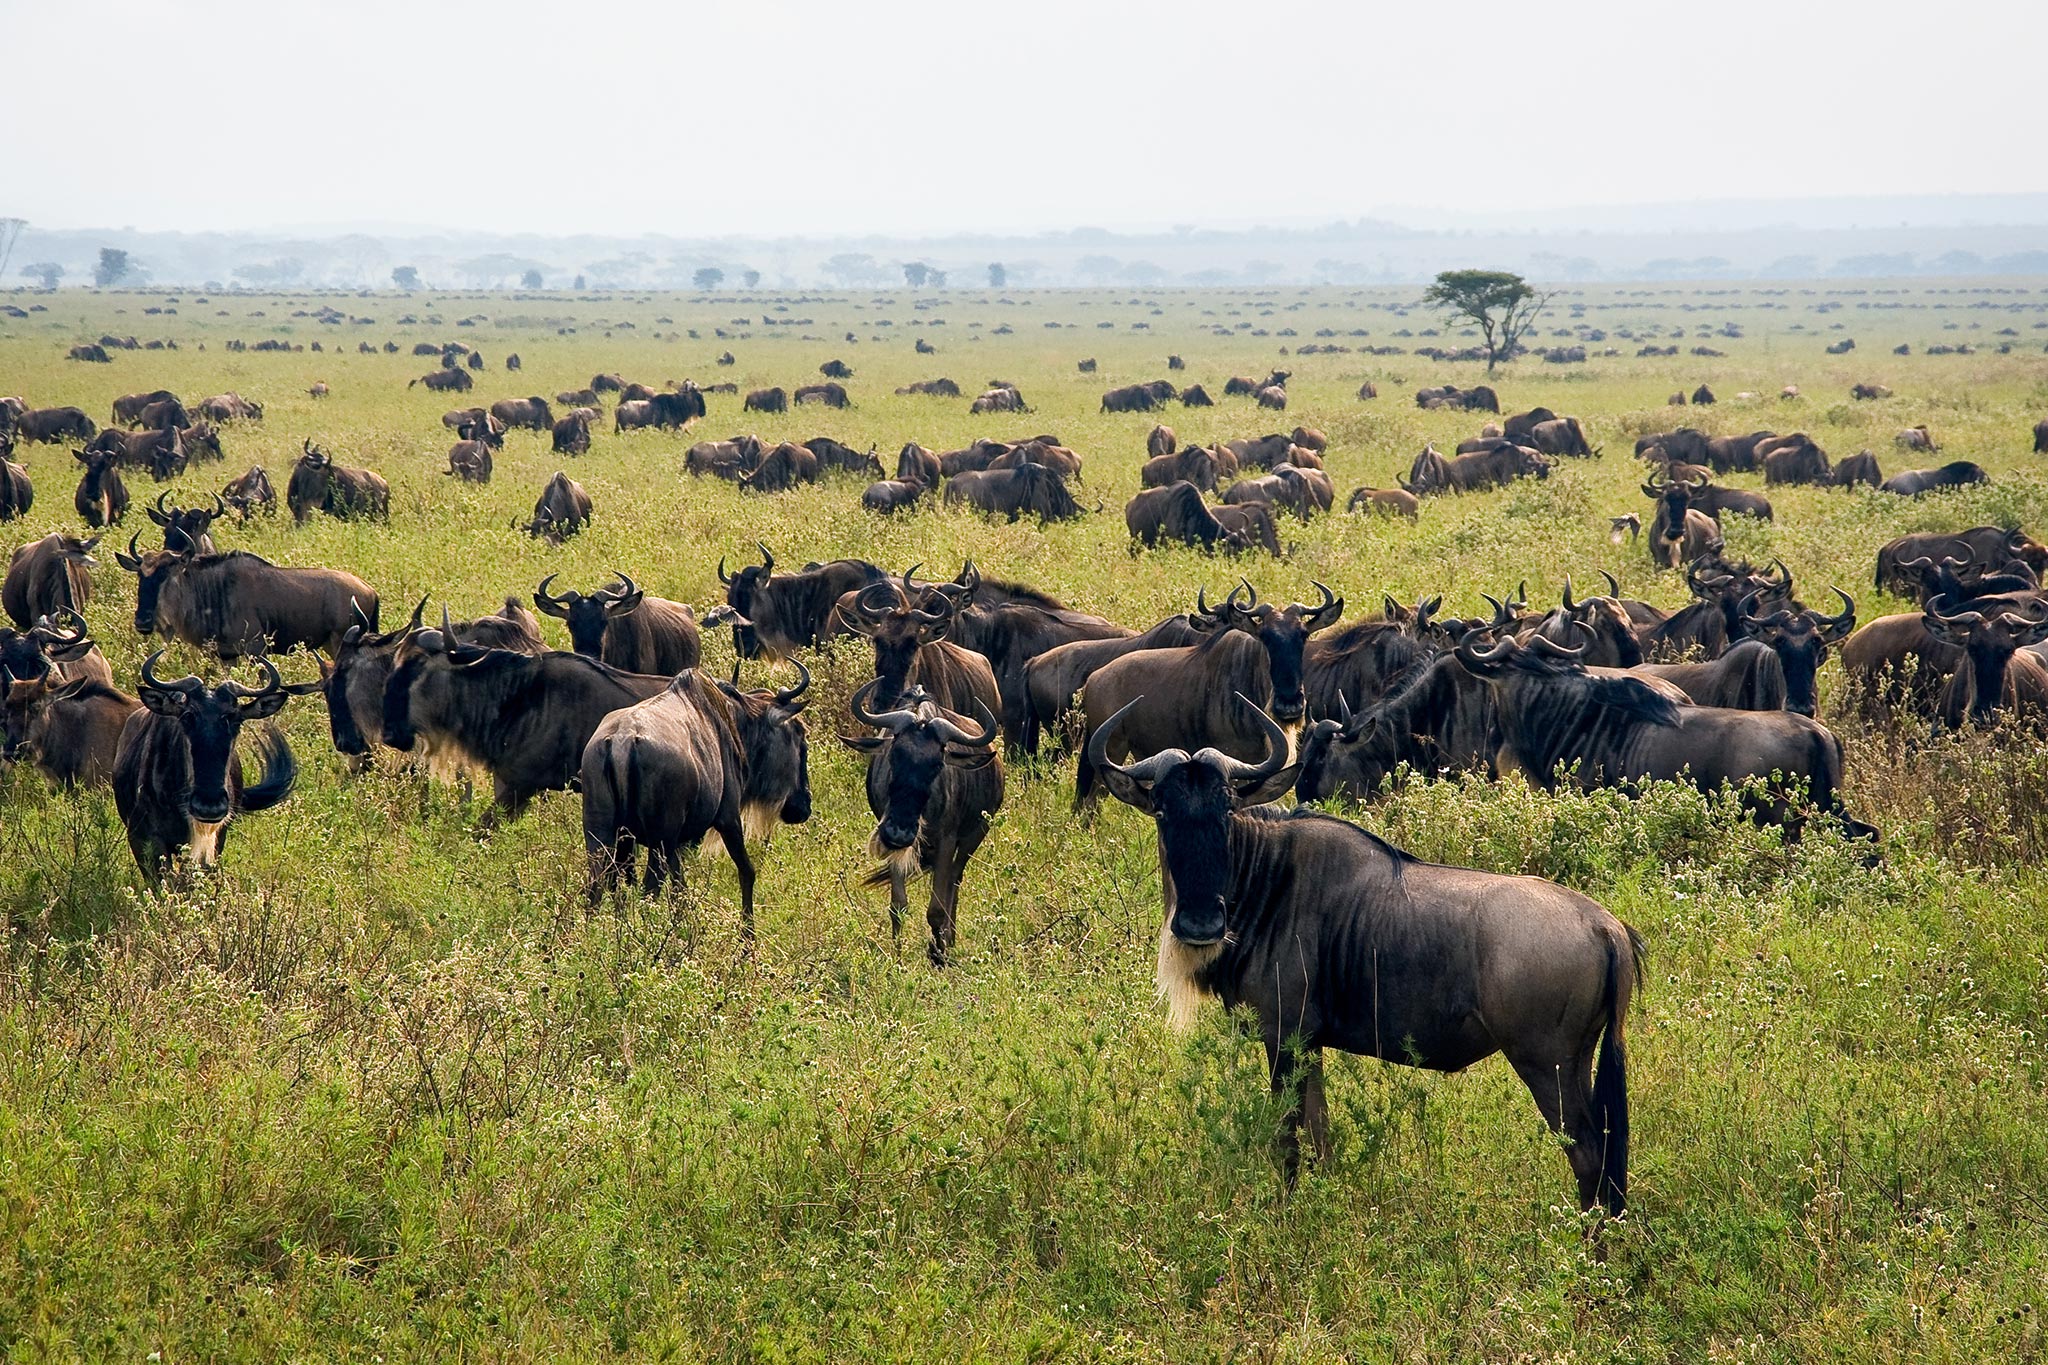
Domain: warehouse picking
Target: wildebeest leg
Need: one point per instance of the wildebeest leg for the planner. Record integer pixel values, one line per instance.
(1084, 776)
(603, 866)
(1285, 1064)
(735, 836)
(899, 901)
(1563, 1096)
(947, 865)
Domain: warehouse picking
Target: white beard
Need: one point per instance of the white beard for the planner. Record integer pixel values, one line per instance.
(901, 862)
(205, 850)
(759, 819)
(447, 761)
(1175, 979)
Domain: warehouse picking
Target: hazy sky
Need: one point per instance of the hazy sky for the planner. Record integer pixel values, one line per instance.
(788, 116)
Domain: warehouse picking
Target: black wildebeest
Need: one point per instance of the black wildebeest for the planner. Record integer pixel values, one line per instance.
(239, 603)
(1679, 533)
(622, 626)
(933, 786)
(1616, 730)
(908, 627)
(101, 499)
(1998, 672)
(250, 492)
(693, 758)
(353, 684)
(48, 426)
(1980, 548)
(524, 719)
(1955, 474)
(1337, 939)
(178, 779)
(320, 485)
(1252, 648)
(562, 509)
(48, 577)
(778, 616)
(531, 414)
(766, 400)
(17, 493)
(185, 528)
(1177, 513)
(1027, 490)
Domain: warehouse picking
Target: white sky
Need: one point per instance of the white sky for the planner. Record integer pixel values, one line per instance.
(795, 117)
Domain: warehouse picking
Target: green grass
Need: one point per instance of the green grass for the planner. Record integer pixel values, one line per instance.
(384, 1089)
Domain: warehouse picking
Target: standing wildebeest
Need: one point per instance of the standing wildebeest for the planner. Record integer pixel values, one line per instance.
(1032, 489)
(766, 400)
(1702, 396)
(1997, 670)
(239, 603)
(1858, 468)
(571, 434)
(562, 510)
(1130, 398)
(89, 351)
(1679, 533)
(177, 778)
(201, 442)
(933, 786)
(634, 414)
(250, 491)
(17, 493)
(475, 424)
(577, 398)
(1194, 465)
(1359, 662)
(836, 369)
(1053, 678)
(1396, 502)
(1272, 396)
(1337, 939)
(622, 626)
(446, 381)
(1800, 639)
(48, 577)
(607, 383)
(128, 407)
(1252, 648)
(915, 462)
(909, 628)
(36, 666)
(162, 453)
(693, 758)
(831, 395)
(893, 495)
(1284, 487)
(1436, 719)
(469, 461)
(1982, 548)
(163, 414)
(1259, 452)
(1560, 436)
(1010, 625)
(1160, 440)
(512, 361)
(101, 499)
(1616, 730)
(781, 469)
(1794, 459)
(230, 407)
(48, 426)
(1955, 474)
(320, 485)
(1251, 522)
(1086, 366)
(778, 616)
(2041, 436)
(838, 455)
(933, 388)
(725, 459)
(531, 414)
(353, 685)
(70, 728)
(525, 719)
(1869, 391)
(185, 528)
(319, 390)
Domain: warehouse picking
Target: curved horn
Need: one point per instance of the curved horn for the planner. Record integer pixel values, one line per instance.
(628, 588)
(1251, 774)
(1329, 606)
(309, 445)
(895, 722)
(1848, 615)
(157, 513)
(953, 734)
(785, 696)
(1502, 614)
(362, 617)
(274, 683)
(767, 558)
(723, 576)
(1543, 644)
(1145, 771)
(549, 603)
(1568, 603)
(873, 610)
(419, 612)
(1613, 584)
(185, 684)
(220, 505)
(1471, 653)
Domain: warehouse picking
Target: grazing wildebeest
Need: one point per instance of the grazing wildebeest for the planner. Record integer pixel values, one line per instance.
(1794, 459)
(934, 388)
(512, 361)
(201, 442)
(1997, 671)
(320, 485)
(908, 627)
(1858, 468)
(1915, 438)
(162, 453)
(577, 398)
(837, 455)
(633, 415)
(48, 577)
(101, 499)
(1981, 548)
(933, 786)
(1337, 939)
(178, 779)
(128, 407)
(17, 493)
(999, 400)
(571, 434)
(725, 459)
(1272, 396)
(1252, 647)
(607, 383)
(469, 461)
(1130, 398)
(766, 400)
(185, 528)
(353, 684)
(1560, 436)
(781, 469)
(693, 758)
(530, 414)
(915, 462)
(621, 626)
(1030, 489)
(1284, 487)
(1396, 502)
(89, 351)
(1160, 441)
(524, 719)
(562, 510)
(831, 395)
(1260, 452)
(1702, 396)
(250, 492)
(48, 426)
(836, 369)
(239, 603)
(1617, 730)
(1195, 396)
(1916, 482)
(1251, 522)
(1194, 465)
(230, 407)
(1869, 391)
(893, 495)
(778, 616)
(446, 381)
(320, 389)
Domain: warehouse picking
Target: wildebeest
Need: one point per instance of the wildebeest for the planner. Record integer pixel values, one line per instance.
(128, 407)
(1869, 391)
(1130, 398)
(2041, 436)
(524, 719)
(1188, 693)
(101, 499)
(1260, 452)
(1858, 468)
(934, 388)
(725, 459)
(1915, 482)
(1389, 501)
(1285, 487)
(1029, 489)
(781, 469)
(1253, 523)
(1480, 399)
(230, 407)
(620, 625)
(446, 381)
(89, 351)
(318, 390)
(766, 400)
(1434, 717)
(1195, 396)
(1085, 366)
(999, 400)
(512, 361)
(178, 778)
(1559, 436)
(1679, 534)
(250, 491)
(201, 442)
(571, 434)
(470, 461)
(1997, 671)
(1980, 547)
(1160, 441)
(1702, 396)
(893, 495)
(779, 615)
(320, 485)
(162, 453)
(693, 758)
(831, 395)
(933, 786)
(1474, 471)
(915, 462)
(836, 369)
(475, 424)
(1616, 730)
(48, 426)
(1052, 679)
(55, 664)
(1795, 459)
(908, 627)
(633, 414)
(607, 383)
(1193, 465)
(1800, 640)
(17, 493)
(577, 398)
(185, 528)
(530, 414)
(353, 683)
(562, 509)
(1272, 396)
(1915, 438)
(48, 577)
(837, 455)
(238, 603)
(1337, 939)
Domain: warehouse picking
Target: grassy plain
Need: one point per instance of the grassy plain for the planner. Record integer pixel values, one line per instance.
(383, 1088)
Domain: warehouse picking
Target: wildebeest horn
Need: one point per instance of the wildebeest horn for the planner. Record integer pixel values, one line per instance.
(785, 696)
(1568, 604)
(273, 684)
(185, 684)
(419, 612)
(1471, 653)
(1251, 774)
(552, 605)
(134, 551)
(1961, 618)
(953, 734)
(895, 722)
(1332, 606)
(1613, 584)
(1145, 771)
(309, 445)
(157, 513)
(723, 576)
(362, 617)
(1848, 616)
(1502, 614)
(1543, 644)
(220, 506)
(627, 587)
(767, 558)
(873, 610)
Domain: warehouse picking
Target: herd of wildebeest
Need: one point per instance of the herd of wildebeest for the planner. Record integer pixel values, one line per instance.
(1333, 937)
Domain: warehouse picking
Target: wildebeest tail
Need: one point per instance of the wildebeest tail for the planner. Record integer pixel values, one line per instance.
(279, 771)
(1610, 1075)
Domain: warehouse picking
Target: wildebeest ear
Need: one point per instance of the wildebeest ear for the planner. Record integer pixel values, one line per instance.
(163, 701)
(265, 705)
(307, 689)
(867, 744)
(1132, 793)
(1272, 789)
(969, 757)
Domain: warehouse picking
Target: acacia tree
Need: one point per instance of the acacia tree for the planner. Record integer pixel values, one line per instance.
(406, 277)
(1501, 305)
(113, 267)
(997, 275)
(46, 273)
(915, 273)
(708, 278)
(530, 280)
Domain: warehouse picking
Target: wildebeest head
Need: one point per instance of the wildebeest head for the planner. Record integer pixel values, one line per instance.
(900, 623)
(211, 720)
(153, 569)
(778, 750)
(26, 676)
(185, 528)
(921, 741)
(420, 653)
(1282, 631)
(1800, 639)
(1190, 797)
(1675, 497)
(1988, 641)
(587, 616)
(353, 684)
(1602, 621)
(739, 595)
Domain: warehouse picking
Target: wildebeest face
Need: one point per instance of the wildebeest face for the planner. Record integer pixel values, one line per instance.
(740, 591)
(211, 721)
(152, 572)
(915, 759)
(1192, 805)
(1801, 643)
